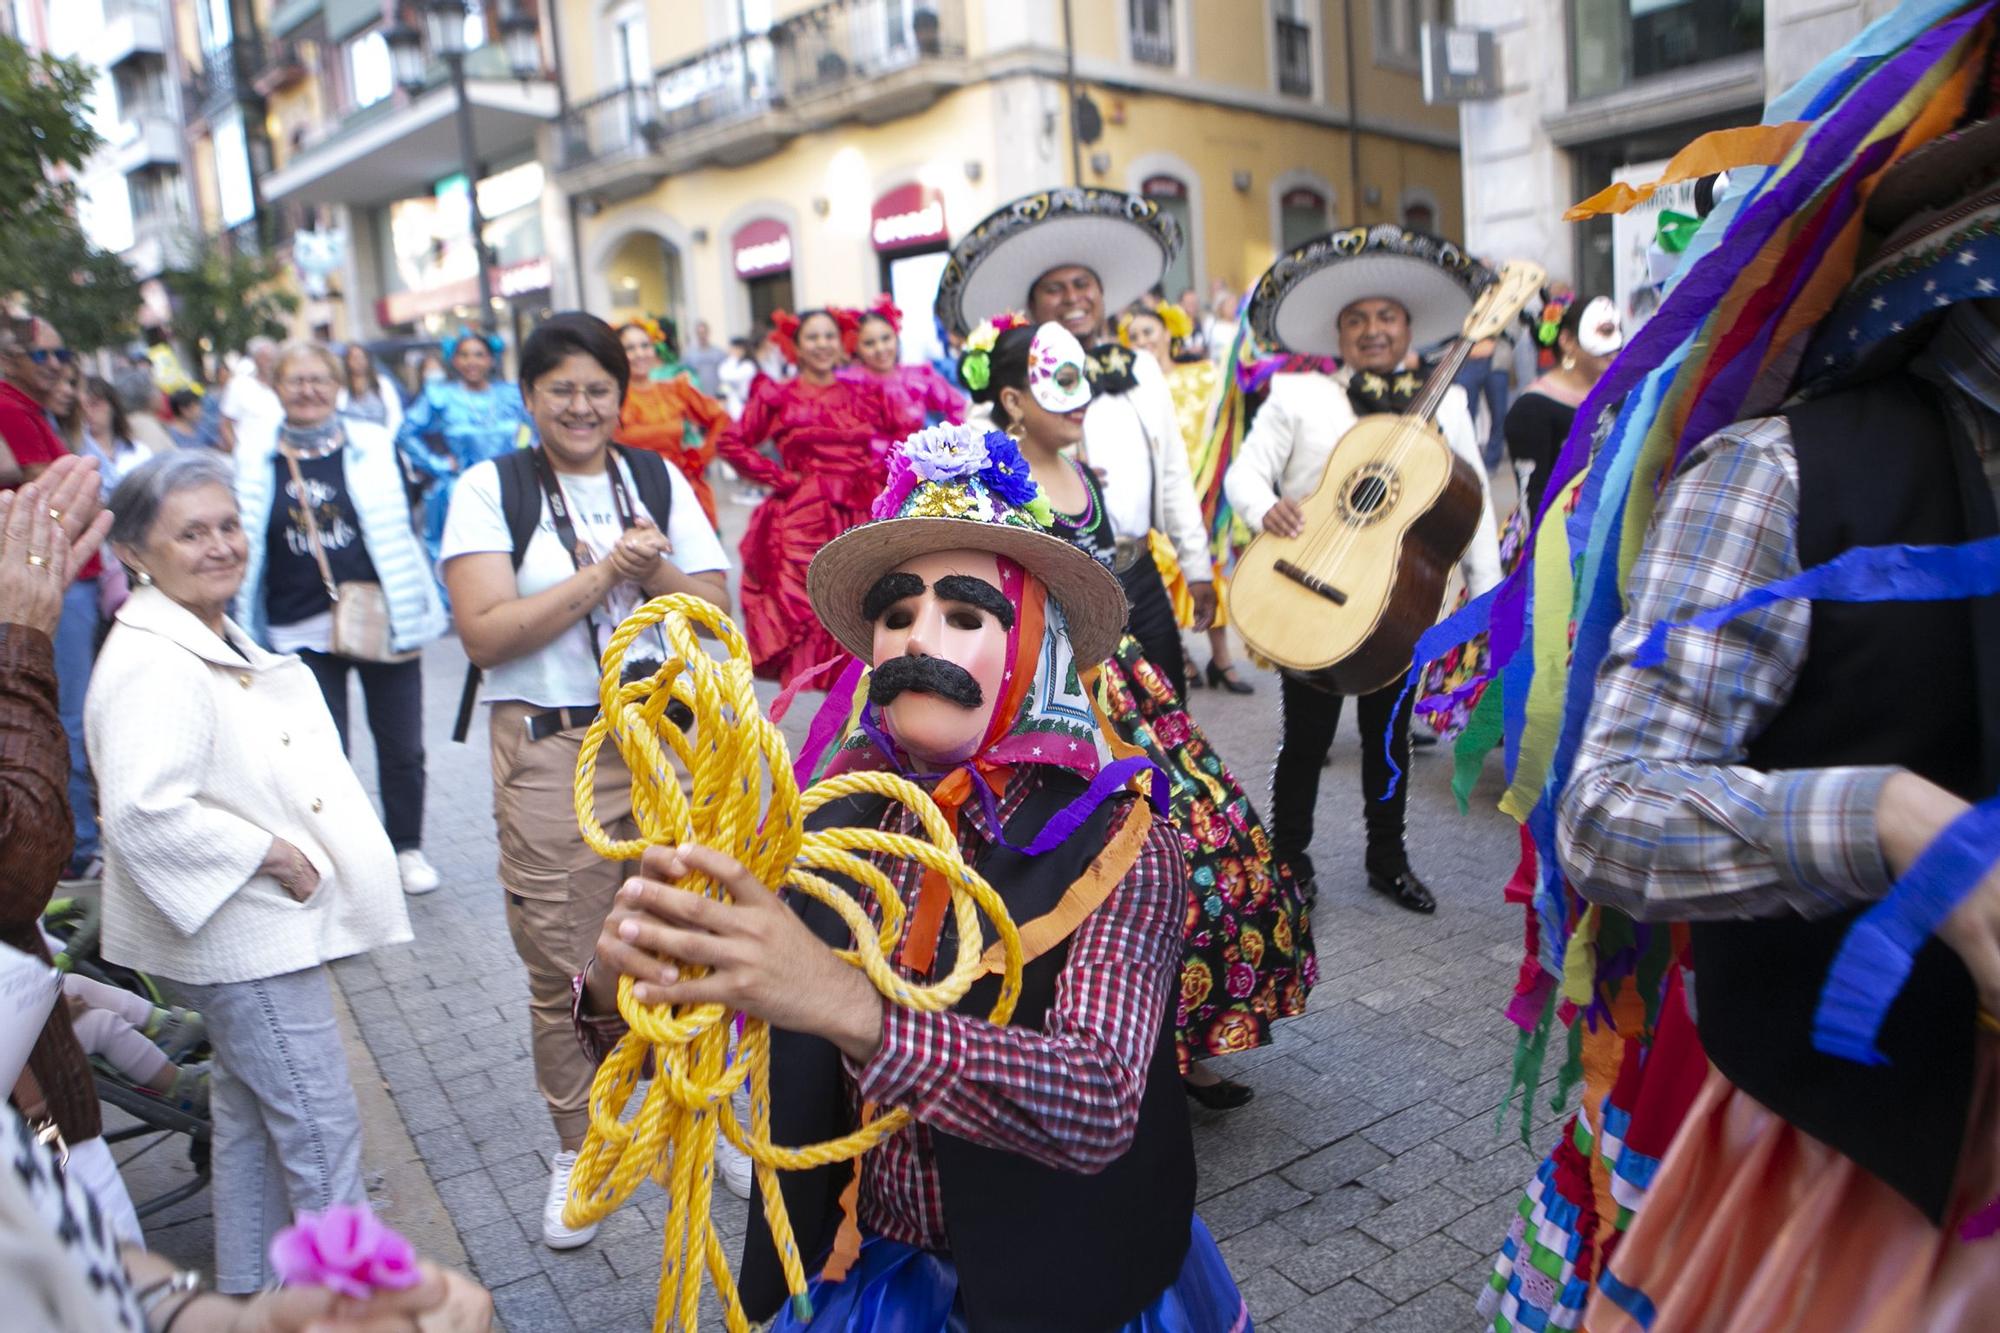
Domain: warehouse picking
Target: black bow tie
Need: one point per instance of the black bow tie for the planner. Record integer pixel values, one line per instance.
(1108, 366)
(1369, 392)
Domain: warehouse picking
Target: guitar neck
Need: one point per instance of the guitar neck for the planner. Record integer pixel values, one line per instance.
(1442, 376)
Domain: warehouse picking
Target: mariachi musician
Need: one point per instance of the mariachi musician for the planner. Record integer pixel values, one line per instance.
(1368, 296)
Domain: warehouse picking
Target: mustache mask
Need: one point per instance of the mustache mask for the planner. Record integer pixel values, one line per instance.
(933, 675)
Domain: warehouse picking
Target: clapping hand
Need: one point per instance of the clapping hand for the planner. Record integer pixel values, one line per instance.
(48, 530)
(636, 557)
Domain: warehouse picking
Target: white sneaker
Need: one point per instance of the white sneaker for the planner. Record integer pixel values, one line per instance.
(733, 1165)
(554, 1234)
(419, 875)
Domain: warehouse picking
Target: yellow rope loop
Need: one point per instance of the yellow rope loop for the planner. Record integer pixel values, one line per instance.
(733, 757)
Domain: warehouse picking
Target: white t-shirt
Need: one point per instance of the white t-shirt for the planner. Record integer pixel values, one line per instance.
(252, 404)
(564, 674)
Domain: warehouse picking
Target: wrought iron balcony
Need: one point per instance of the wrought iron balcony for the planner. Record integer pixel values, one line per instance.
(1295, 63)
(742, 99)
(227, 74)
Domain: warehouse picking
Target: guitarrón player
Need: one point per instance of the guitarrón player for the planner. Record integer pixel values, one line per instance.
(1366, 296)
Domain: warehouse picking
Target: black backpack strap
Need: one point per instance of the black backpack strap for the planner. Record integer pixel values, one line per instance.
(521, 506)
(650, 479)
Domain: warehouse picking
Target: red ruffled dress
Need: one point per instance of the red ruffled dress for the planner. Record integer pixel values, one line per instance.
(918, 392)
(829, 439)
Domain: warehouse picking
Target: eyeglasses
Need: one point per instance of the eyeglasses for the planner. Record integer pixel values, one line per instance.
(601, 397)
(306, 382)
(41, 356)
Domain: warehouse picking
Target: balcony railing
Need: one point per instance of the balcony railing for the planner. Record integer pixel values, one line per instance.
(227, 74)
(832, 48)
(1152, 25)
(1295, 62)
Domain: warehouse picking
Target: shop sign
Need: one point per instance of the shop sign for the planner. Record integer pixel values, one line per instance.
(1304, 198)
(908, 216)
(1163, 187)
(530, 275)
(761, 246)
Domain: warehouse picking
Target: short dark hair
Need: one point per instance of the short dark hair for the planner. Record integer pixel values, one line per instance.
(816, 313)
(180, 400)
(573, 332)
(1007, 368)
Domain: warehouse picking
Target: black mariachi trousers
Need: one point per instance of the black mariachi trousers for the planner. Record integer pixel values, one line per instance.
(1311, 716)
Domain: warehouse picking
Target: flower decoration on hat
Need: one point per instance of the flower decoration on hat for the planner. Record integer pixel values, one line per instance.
(960, 472)
(975, 364)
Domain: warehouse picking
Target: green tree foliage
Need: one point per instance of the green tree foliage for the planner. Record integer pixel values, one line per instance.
(224, 297)
(45, 258)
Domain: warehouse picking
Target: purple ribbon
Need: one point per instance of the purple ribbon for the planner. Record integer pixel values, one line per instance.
(1108, 782)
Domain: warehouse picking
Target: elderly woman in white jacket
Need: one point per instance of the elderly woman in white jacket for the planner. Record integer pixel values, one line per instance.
(241, 854)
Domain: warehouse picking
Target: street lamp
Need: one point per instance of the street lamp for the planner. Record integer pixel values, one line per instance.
(444, 36)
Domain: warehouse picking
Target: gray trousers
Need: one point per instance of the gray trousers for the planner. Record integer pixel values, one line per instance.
(287, 1130)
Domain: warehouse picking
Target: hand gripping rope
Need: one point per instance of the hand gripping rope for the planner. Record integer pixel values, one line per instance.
(733, 754)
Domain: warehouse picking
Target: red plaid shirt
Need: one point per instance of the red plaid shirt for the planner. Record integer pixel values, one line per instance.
(1066, 1094)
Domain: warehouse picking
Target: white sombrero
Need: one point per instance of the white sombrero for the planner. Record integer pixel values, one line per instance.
(1124, 239)
(1296, 305)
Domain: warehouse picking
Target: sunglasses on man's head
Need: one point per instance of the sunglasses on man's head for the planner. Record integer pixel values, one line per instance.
(41, 356)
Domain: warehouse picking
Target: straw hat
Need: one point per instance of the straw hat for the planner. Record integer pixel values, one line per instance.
(1296, 305)
(952, 488)
(1124, 239)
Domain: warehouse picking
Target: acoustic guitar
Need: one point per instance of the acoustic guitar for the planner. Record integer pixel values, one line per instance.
(1342, 604)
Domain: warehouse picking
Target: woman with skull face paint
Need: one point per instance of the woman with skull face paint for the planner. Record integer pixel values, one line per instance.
(1584, 335)
(1249, 954)
(830, 435)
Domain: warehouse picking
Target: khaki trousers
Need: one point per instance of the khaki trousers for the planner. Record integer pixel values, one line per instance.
(558, 890)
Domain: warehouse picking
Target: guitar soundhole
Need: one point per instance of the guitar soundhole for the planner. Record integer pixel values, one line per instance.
(1369, 494)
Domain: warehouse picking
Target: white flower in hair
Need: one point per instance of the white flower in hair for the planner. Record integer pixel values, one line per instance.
(946, 453)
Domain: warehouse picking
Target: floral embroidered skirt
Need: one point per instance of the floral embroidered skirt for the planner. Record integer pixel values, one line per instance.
(1249, 951)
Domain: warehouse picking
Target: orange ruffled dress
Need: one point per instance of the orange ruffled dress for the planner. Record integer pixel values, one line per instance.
(1754, 1225)
(678, 422)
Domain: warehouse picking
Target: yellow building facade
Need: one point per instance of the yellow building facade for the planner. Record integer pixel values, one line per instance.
(834, 150)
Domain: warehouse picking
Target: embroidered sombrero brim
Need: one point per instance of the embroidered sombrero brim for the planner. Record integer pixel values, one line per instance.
(1124, 239)
(1091, 597)
(1296, 305)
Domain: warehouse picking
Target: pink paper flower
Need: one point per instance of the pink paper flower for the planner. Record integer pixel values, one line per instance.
(346, 1249)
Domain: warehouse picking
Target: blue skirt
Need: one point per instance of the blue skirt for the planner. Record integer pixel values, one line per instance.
(897, 1288)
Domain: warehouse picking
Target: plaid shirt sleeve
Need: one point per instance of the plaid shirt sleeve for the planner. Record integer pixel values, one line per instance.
(1066, 1095)
(1662, 818)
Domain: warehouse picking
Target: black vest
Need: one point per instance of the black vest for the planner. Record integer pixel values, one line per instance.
(1883, 683)
(1037, 1249)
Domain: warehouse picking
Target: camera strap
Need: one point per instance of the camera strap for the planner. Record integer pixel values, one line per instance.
(580, 554)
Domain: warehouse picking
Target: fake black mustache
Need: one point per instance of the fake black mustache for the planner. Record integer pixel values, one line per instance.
(933, 675)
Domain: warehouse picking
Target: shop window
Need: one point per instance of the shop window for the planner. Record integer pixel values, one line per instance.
(1614, 43)
(1292, 39)
(1399, 25)
(1171, 194)
(370, 77)
(1420, 215)
(1152, 24)
(1302, 215)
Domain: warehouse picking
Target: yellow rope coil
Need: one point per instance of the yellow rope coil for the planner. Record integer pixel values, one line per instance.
(734, 755)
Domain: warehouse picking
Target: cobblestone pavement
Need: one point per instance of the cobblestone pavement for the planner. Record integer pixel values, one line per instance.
(1365, 1187)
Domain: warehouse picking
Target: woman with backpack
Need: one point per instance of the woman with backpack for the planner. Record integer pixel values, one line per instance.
(545, 551)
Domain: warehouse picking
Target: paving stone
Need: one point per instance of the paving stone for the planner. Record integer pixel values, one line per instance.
(1399, 995)
(1442, 1309)
(445, 1153)
(1250, 1203)
(531, 1306)
(1267, 1294)
(1410, 1220)
(1500, 1175)
(1404, 1175)
(1417, 1267)
(1483, 1228)
(473, 1200)
(1332, 1212)
(1407, 1128)
(1335, 1310)
(1264, 1244)
(500, 1252)
(1337, 1164)
(1335, 1259)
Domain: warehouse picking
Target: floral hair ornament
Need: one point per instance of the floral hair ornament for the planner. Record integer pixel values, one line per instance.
(785, 333)
(886, 310)
(1058, 372)
(346, 1249)
(1179, 323)
(1553, 309)
(975, 364)
(451, 344)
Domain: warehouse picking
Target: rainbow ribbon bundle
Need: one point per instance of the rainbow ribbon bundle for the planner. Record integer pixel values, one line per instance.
(1726, 343)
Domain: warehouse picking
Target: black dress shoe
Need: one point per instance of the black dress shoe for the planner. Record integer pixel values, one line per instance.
(1404, 889)
(1225, 678)
(1222, 1096)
